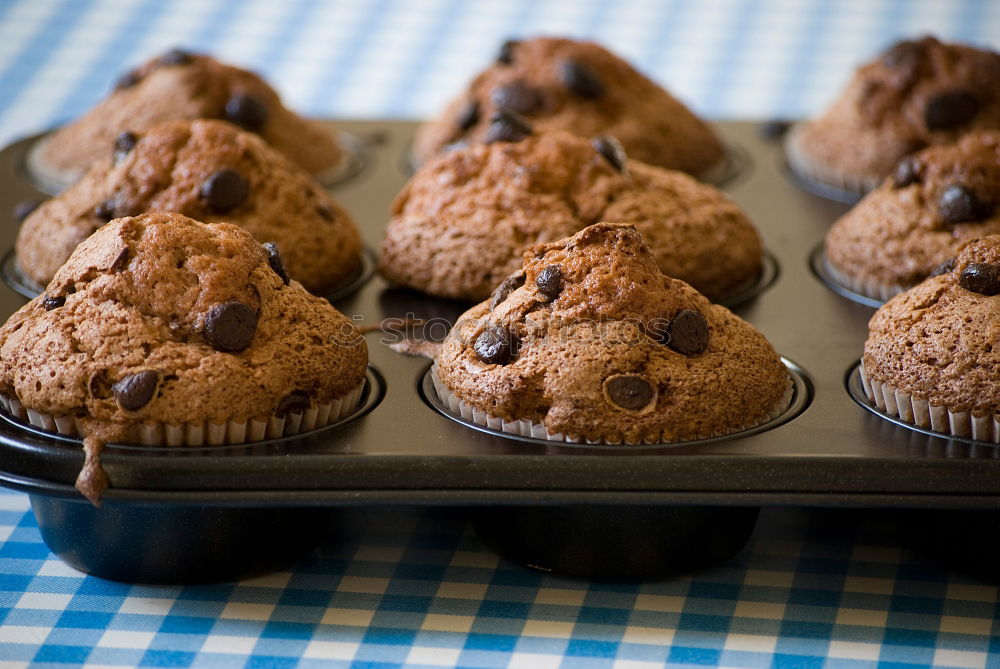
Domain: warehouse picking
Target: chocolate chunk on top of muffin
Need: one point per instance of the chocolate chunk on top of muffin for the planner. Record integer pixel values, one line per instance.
(580, 87)
(211, 171)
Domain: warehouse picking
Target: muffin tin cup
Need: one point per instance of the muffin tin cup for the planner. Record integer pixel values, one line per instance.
(817, 179)
(868, 293)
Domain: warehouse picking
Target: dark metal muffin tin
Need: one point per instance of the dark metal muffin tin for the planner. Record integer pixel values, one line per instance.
(187, 515)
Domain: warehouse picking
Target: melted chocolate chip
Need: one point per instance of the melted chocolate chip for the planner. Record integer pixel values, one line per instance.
(230, 326)
(506, 54)
(982, 278)
(549, 281)
(176, 57)
(581, 80)
(958, 204)
(296, 401)
(136, 390)
(324, 212)
(516, 97)
(496, 346)
(947, 267)
(904, 54)
(124, 143)
(468, 115)
(507, 126)
(907, 172)
(247, 112)
(225, 190)
(629, 392)
(105, 210)
(122, 260)
(950, 109)
(274, 260)
(128, 80)
(508, 286)
(688, 333)
(611, 149)
(51, 302)
(24, 208)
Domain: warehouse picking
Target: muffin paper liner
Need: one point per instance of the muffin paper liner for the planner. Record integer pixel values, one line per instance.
(527, 428)
(51, 179)
(207, 433)
(866, 287)
(805, 167)
(891, 400)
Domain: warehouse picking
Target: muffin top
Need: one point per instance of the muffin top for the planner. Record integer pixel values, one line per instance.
(916, 94)
(211, 171)
(899, 233)
(161, 318)
(592, 340)
(937, 341)
(580, 87)
(463, 221)
(182, 85)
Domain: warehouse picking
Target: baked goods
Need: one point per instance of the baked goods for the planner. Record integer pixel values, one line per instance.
(464, 219)
(916, 94)
(180, 85)
(916, 220)
(590, 341)
(160, 329)
(580, 87)
(931, 356)
(211, 171)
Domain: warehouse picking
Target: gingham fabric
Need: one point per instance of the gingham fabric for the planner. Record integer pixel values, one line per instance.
(416, 588)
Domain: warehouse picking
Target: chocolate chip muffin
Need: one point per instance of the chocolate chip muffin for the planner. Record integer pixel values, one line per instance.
(184, 86)
(161, 329)
(931, 356)
(211, 171)
(584, 89)
(917, 94)
(901, 232)
(590, 341)
(464, 219)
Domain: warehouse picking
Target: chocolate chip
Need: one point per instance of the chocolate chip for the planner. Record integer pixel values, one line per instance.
(296, 401)
(274, 260)
(507, 126)
(773, 129)
(230, 326)
(24, 208)
(549, 281)
(122, 260)
(506, 53)
(51, 302)
(629, 392)
(508, 286)
(907, 172)
(950, 109)
(247, 112)
(128, 80)
(105, 210)
(176, 57)
(581, 80)
(947, 267)
(982, 278)
(611, 149)
(958, 204)
(136, 390)
(516, 97)
(904, 54)
(124, 143)
(468, 115)
(225, 190)
(688, 333)
(496, 346)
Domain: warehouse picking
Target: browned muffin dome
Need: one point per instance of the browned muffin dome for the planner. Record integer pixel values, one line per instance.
(185, 86)
(583, 88)
(591, 340)
(211, 171)
(898, 234)
(917, 94)
(465, 218)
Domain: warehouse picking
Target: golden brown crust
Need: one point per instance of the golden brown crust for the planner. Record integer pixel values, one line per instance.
(200, 87)
(885, 111)
(139, 295)
(652, 125)
(167, 169)
(608, 319)
(464, 219)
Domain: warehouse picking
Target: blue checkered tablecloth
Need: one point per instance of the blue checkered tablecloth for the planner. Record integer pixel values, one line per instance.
(416, 587)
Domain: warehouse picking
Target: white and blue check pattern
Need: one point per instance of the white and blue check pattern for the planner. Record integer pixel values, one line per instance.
(410, 588)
